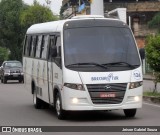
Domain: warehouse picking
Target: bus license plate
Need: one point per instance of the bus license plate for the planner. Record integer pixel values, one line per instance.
(107, 95)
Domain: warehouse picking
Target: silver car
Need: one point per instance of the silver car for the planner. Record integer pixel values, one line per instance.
(11, 70)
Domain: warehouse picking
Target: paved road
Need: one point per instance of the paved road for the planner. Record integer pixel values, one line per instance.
(16, 109)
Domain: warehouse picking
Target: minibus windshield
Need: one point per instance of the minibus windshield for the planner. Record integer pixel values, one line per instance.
(108, 46)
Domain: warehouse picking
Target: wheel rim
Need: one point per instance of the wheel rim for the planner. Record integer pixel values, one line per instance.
(58, 108)
(34, 98)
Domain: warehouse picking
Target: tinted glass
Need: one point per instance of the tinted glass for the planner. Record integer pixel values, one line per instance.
(100, 45)
(38, 47)
(44, 47)
(13, 64)
(28, 46)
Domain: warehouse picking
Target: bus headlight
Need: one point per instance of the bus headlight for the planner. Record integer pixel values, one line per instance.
(135, 84)
(74, 86)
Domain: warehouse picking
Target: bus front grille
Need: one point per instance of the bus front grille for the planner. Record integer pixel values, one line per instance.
(107, 93)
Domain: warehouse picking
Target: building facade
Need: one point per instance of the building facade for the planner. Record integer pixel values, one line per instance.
(139, 13)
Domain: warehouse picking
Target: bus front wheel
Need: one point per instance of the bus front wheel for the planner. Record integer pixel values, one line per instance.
(130, 112)
(61, 114)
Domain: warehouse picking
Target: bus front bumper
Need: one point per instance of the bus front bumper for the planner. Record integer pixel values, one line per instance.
(81, 101)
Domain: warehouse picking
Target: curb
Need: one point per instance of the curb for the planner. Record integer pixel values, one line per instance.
(149, 79)
(152, 99)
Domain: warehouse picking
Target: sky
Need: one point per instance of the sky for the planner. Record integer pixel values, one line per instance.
(54, 6)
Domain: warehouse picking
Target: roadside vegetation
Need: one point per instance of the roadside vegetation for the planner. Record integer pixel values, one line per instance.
(153, 50)
(153, 57)
(15, 18)
(155, 94)
(155, 22)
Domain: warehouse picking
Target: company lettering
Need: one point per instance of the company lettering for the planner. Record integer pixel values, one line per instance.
(108, 78)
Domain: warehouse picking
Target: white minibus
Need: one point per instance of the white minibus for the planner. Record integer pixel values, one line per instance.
(81, 64)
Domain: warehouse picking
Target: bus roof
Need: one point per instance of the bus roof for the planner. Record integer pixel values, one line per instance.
(57, 26)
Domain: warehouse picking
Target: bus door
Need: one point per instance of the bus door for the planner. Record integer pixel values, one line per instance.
(50, 69)
(54, 67)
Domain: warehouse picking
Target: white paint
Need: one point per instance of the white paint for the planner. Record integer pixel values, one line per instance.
(54, 76)
(120, 13)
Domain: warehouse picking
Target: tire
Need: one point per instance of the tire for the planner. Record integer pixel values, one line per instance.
(20, 81)
(4, 80)
(130, 112)
(1, 80)
(61, 114)
(36, 101)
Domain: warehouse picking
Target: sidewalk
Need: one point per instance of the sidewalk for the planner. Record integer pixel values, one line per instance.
(148, 77)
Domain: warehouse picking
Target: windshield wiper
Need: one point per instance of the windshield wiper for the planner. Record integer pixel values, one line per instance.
(121, 63)
(90, 63)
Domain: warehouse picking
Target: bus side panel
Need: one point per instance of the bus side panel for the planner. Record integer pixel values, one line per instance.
(42, 81)
(27, 68)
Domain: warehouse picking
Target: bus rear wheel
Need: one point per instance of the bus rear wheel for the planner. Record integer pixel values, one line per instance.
(130, 112)
(61, 114)
(36, 101)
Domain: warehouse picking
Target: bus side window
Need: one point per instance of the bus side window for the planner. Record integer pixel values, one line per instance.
(25, 42)
(44, 47)
(38, 47)
(58, 45)
(33, 46)
(28, 46)
(51, 45)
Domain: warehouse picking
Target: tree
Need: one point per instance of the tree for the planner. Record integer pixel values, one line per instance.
(36, 14)
(61, 12)
(15, 18)
(153, 56)
(155, 22)
(4, 54)
(11, 32)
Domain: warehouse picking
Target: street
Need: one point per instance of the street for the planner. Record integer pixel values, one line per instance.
(17, 110)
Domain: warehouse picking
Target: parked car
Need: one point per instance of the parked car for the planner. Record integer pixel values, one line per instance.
(11, 70)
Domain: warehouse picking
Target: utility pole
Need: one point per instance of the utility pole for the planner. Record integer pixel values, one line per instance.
(97, 7)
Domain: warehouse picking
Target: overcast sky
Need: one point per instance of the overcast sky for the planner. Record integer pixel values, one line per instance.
(55, 4)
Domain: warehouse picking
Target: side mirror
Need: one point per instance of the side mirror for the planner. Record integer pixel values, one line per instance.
(142, 53)
(59, 50)
(54, 52)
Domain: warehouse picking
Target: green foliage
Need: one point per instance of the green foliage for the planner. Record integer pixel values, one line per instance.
(153, 52)
(153, 56)
(36, 14)
(151, 94)
(15, 18)
(155, 22)
(11, 32)
(61, 12)
(4, 54)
